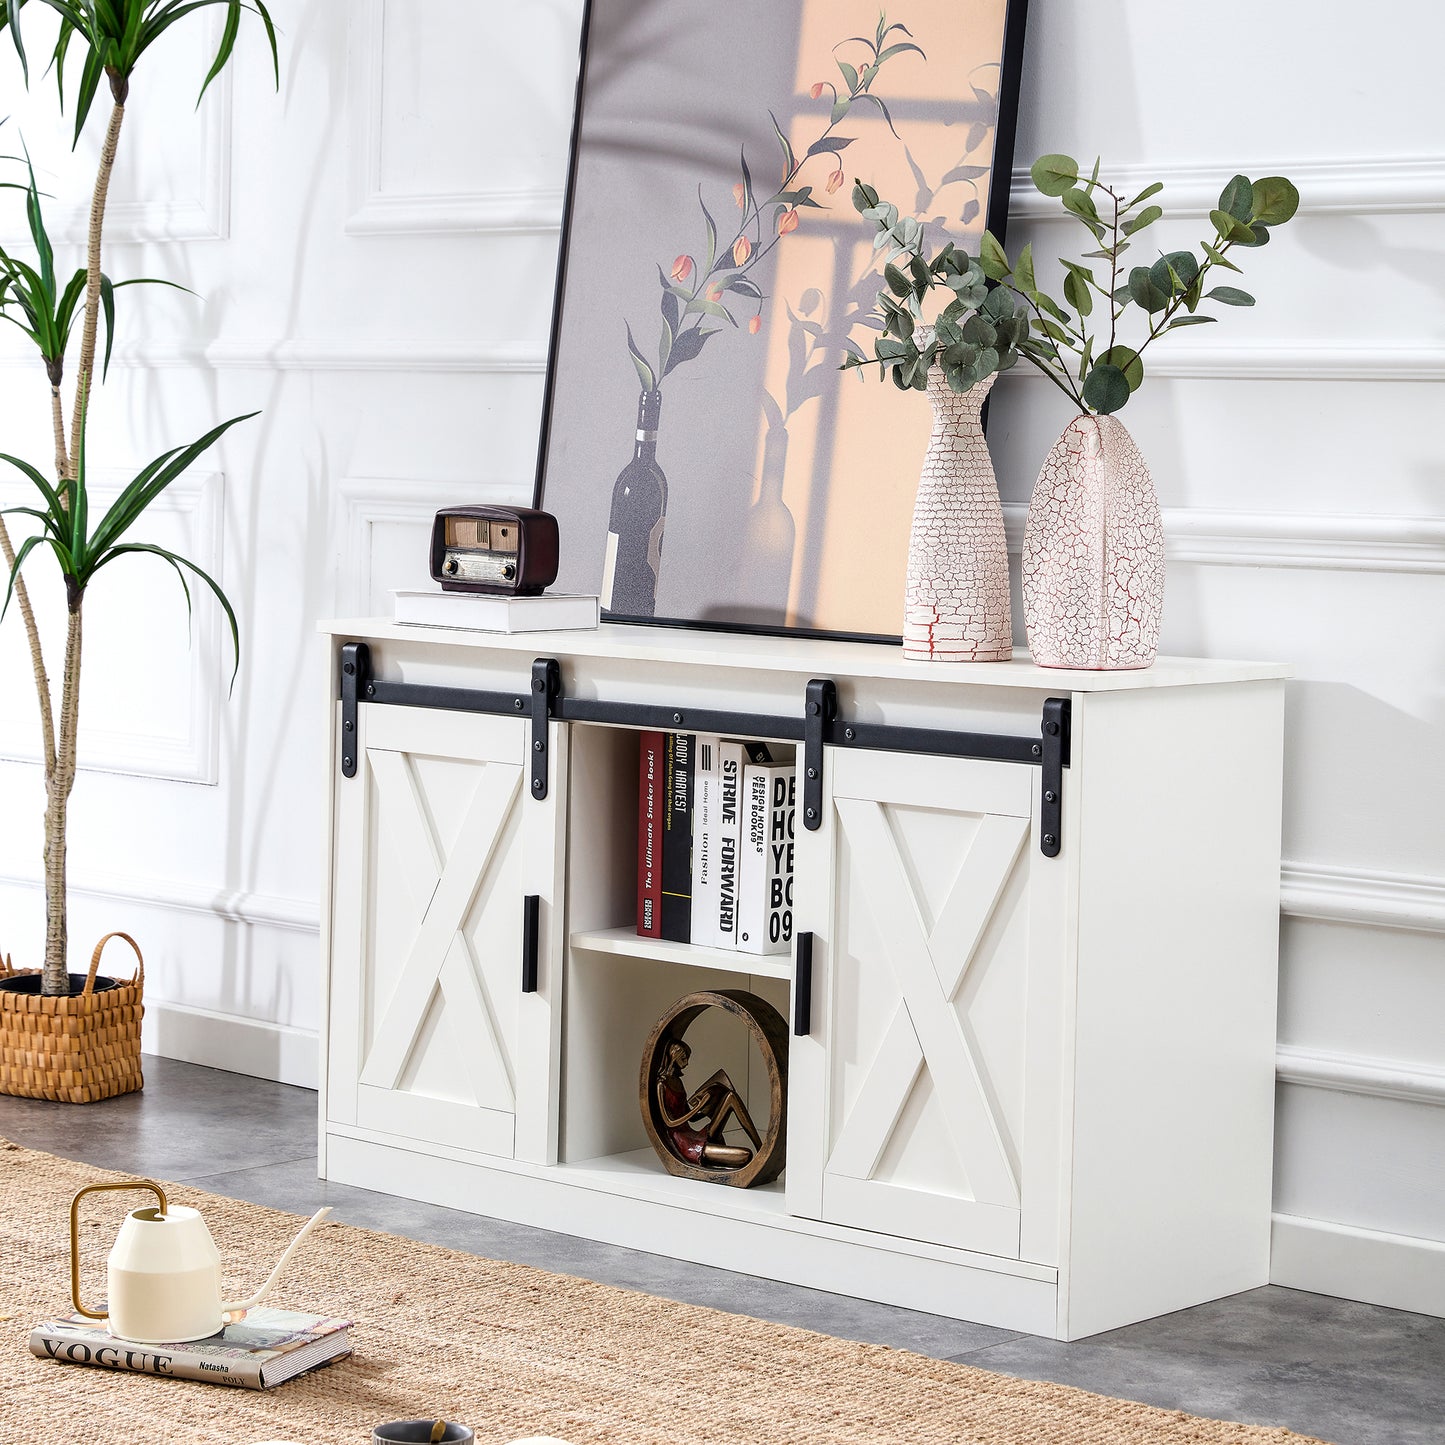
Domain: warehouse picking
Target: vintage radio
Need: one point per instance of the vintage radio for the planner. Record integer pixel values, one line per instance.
(511, 551)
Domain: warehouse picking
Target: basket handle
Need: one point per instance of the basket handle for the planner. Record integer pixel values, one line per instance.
(140, 963)
(150, 1184)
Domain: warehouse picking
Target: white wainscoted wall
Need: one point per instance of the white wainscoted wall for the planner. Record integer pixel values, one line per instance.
(374, 250)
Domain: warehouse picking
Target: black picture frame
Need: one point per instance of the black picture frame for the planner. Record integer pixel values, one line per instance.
(995, 220)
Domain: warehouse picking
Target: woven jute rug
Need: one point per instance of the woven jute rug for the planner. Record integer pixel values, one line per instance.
(506, 1348)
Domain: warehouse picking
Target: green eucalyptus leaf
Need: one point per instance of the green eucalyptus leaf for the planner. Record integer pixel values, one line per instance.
(1081, 204)
(1128, 361)
(998, 304)
(1077, 294)
(1106, 388)
(1275, 201)
(1230, 296)
(1024, 270)
(993, 258)
(1218, 256)
(1237, 199)
(1055, 174)
(1230, 228)
(1144, 292)
(1146, 217)
(1258, 236)
(1150, 190)
(1190, 321)
(898, 283)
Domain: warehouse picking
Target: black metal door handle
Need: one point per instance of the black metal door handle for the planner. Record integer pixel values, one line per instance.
(803, 986)
(531, 916)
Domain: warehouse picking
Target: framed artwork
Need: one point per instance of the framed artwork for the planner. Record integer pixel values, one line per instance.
(706, 459)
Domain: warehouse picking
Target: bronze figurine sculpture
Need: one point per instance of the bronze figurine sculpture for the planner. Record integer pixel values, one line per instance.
(687, 1127)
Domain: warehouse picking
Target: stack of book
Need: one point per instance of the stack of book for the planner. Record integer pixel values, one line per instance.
(715, 843)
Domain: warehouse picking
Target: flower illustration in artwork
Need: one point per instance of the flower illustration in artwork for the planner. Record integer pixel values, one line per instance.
(695, 295)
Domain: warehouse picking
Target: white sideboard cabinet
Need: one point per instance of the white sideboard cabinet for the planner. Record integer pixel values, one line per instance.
(1031, 990)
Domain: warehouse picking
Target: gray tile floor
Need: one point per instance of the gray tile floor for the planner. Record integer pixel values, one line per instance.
(1350, 1373)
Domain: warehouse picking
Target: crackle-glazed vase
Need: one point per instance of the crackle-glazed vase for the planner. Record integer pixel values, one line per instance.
(1093, 561)
(957, 600)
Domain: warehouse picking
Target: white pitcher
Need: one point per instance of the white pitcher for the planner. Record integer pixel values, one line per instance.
(164, 1272)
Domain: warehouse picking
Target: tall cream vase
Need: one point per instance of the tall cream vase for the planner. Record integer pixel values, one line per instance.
(957, 599)
(1093, 560)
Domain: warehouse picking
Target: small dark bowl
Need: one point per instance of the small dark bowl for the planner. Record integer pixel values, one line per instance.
(419, 1431)
(30, 983)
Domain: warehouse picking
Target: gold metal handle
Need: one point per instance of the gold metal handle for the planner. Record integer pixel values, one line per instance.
(150, 1184)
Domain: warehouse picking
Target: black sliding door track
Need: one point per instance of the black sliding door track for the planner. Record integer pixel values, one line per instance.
(817, 726)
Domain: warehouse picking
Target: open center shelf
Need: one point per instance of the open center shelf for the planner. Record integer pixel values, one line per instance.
(628, 943)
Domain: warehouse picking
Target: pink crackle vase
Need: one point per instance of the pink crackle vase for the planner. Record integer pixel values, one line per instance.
(957, 602)
(1093, 563)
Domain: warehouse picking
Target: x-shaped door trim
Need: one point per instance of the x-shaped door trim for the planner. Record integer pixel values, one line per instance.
(442, 890)
(925, 1028)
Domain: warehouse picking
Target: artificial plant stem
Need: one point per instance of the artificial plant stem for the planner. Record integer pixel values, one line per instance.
(92, 278)
(1049, 372)
(57, 424)
(58, 783)
(37, 655)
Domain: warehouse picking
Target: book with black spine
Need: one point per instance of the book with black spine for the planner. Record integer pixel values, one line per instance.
(677, 838)
(765, 867)
(652, 762)
(265, 1349)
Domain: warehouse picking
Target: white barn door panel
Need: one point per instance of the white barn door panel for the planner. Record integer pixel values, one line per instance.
(439, 1043)
(929, 937)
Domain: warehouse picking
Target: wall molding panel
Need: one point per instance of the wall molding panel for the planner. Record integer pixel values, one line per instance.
(204, 215)
(193, 754)
(377, 212)
(230, 905)
(1289, 361)
(1398, 1271)
(1355, 1074)
(1367, 185)
(228, 1041)
(1273, 361)
(1321, 541)
(1369, 899)
(313, 356)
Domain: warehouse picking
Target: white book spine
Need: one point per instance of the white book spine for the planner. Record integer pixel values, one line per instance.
(729, 831)
(765, 901)
(707, 810)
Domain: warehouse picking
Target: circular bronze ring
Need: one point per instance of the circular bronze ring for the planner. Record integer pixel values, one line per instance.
(770, 1032)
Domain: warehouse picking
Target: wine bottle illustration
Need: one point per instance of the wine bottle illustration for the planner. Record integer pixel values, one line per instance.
(634, 530)
(770, 531)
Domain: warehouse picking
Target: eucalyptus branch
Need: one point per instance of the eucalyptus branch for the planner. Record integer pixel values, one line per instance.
(1173, 283)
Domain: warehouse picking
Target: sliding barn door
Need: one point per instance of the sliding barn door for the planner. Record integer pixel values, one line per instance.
(439, 845)
(937, 954)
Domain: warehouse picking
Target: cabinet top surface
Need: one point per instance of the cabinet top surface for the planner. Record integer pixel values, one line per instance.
(813, 656)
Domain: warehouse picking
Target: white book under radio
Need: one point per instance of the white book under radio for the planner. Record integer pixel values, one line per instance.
(487, 612)
(765, 861)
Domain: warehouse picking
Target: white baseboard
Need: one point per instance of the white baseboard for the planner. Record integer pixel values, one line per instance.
(1395, 1270)
(226, 1041)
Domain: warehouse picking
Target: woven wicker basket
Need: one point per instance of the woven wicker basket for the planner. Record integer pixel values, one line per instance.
(74, 1050)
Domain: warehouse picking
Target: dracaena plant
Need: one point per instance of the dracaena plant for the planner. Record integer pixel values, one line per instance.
(973, 336)
(107, 40)
(1090, 362)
